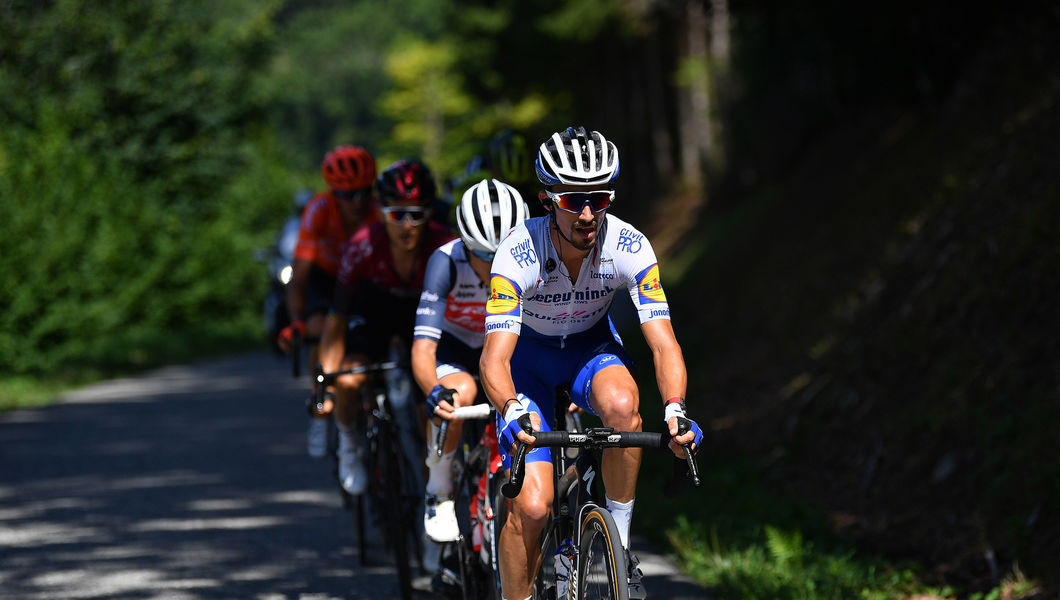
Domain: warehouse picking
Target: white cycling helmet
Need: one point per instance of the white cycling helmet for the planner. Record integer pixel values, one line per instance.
(575, 157)
(487, 212)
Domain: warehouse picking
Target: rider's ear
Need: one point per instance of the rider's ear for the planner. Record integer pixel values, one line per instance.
(545, 202)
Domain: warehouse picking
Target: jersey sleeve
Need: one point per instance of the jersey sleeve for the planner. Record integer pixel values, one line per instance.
(641, 270)
(438, 282)
(515, 269)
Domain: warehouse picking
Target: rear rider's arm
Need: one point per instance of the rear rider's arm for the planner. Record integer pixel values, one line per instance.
(424, 363)
(295, 291)
(333, 343)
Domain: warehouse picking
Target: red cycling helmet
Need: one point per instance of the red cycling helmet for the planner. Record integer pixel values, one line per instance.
(406, 180)
(348, 168)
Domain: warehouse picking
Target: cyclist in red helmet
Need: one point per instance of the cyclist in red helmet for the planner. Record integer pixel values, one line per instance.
(381, 278)
(328, 221)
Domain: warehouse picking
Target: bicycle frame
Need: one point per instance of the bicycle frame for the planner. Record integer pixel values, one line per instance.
(393, 490)
(574, 494)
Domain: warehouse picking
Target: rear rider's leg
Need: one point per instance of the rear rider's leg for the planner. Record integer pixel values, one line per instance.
(439, 519)
(317, 433)
(352, 474)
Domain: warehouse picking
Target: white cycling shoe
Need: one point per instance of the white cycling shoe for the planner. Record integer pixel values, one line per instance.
(439, 519)
(352, 474)
(317, 437)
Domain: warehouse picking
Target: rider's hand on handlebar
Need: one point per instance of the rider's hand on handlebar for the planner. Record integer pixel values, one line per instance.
(287, 334)
(513, 431)
(693, 435)
(682, 429)
(439, 403)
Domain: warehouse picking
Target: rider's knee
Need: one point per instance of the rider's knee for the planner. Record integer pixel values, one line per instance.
(530, 513)
(621, 411)
(350, 383)
(466, 392)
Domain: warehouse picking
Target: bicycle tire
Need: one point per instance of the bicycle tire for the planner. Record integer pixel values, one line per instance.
(601, 571)
(394, 527)
(496, 524)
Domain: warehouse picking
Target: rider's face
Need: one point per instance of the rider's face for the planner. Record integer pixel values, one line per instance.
(405, 229)
(583, 228)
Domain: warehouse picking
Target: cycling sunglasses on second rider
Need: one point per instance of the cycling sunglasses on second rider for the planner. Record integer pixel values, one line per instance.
(574, 202)
(415, 215)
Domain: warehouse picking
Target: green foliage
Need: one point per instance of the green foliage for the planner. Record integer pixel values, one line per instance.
(745, 542)
(133, 187)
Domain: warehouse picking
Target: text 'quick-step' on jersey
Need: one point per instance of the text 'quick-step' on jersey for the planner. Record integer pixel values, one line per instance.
(531, 292)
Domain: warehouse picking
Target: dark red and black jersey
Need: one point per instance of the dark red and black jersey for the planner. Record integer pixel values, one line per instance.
(368, 285)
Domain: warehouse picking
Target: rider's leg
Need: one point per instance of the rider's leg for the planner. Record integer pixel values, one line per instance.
(347, 409)
(440, 520)
(615, 399)
(317, 432)
(520, 555)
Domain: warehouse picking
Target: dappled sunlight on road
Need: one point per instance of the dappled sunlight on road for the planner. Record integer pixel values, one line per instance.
(191, 483)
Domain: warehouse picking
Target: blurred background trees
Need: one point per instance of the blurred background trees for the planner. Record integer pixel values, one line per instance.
(147, 148)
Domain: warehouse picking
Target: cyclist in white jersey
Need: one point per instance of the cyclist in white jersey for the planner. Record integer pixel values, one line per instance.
(449, 328)
(552, 281)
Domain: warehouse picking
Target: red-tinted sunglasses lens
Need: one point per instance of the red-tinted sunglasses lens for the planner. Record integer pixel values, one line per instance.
(397, 215)
(574, 201)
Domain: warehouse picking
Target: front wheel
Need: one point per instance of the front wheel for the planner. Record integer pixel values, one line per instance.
(601, 559)
(395, 527)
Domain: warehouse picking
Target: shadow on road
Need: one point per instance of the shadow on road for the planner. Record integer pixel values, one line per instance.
(190, 482)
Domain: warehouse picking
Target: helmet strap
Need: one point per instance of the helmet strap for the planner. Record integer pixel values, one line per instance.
(555, 225)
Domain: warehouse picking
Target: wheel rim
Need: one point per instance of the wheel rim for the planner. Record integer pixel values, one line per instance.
(598, 572)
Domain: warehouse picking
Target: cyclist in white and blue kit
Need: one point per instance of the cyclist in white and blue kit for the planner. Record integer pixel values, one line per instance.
(447, 339)
(552, 282)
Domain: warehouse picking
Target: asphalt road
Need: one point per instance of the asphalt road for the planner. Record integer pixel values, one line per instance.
(189, 482)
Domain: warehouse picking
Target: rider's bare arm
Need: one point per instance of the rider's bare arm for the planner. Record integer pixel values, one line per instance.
(424, 355)
(670, 371)
(495, 372)
(295, 291)
(333, 343)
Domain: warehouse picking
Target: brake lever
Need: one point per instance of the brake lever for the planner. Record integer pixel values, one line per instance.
(514, 485)
(683, 427)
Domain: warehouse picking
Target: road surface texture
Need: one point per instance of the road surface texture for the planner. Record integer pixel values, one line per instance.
(184, 483)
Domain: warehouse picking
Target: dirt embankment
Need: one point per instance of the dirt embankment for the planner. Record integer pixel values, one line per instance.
(880, 328)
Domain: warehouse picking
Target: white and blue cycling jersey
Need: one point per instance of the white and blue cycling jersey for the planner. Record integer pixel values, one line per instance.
(452, 309)
(565, 337)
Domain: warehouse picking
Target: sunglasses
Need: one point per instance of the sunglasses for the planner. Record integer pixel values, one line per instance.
(483, 255)
(415, 215)
(598, 201)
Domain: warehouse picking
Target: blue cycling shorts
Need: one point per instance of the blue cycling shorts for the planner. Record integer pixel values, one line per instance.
(541, 364)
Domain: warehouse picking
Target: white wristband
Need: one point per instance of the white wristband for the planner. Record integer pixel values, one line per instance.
(516, 409)
(672, 410)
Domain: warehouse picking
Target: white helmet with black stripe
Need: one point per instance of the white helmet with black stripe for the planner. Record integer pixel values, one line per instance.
(488, 210)
(577, 157)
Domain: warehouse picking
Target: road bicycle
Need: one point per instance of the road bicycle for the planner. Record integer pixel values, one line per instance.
(582, 537)
(468, 566)
(394, 493)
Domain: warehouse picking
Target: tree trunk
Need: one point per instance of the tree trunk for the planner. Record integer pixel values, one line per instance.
(694, 105)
